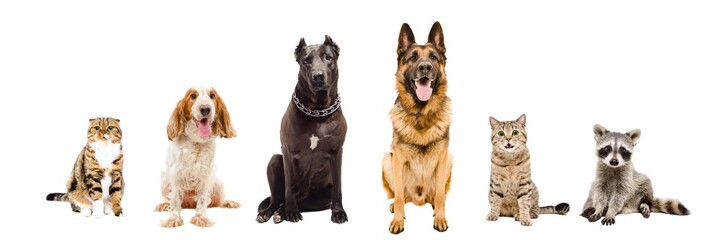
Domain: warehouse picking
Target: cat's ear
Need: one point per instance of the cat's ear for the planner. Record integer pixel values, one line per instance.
(599, 131)
(634, 135)
(522, 120)
(493, 122)
(222, 122)
(177, 120)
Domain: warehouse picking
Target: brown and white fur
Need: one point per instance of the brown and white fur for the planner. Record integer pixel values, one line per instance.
(617, 187)
(189, 180)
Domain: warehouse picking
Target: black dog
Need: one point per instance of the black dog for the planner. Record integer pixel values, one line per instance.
(306, 176)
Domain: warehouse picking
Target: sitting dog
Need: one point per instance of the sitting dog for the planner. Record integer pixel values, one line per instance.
(189, 180)
(306, 176)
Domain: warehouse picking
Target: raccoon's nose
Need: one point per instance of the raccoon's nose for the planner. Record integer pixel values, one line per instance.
(614, 162)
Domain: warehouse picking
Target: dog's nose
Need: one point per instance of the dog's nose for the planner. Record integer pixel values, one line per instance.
(614, 162)
(205, 110)
(425, 67)
(318, 78)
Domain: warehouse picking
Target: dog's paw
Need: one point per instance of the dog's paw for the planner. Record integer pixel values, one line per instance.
(391, 208)
(396, 226)
(172, 222)
(293, 216)
(201, 221)
(492, 216)
(264, 216)
(339, 217)
(231, 204)
(162, 207)
(440, 224)
(607, 221)
(277, 218)
(644, 209)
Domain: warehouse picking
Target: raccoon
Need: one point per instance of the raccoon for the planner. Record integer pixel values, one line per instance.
(617, 187)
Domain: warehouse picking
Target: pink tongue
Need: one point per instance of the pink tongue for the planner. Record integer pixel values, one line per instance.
(423, 91)
(204, 128)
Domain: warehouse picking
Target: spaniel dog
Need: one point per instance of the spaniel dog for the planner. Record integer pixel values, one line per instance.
(189, 180)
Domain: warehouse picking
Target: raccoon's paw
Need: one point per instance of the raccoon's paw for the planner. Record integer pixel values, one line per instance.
(644, 209)
(607, 221)
(492, 216)
(86, 212)
(587, 212)
(595, 217)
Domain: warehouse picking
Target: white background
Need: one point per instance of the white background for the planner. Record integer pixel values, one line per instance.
(653, 65)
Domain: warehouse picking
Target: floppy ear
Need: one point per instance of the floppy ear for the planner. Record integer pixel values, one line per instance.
(522, 120)
(405, 40)
(177, 120)
(222, 122)
(435, 37)
(634, 135)
(599, 131)
(298, 49)
(329, 42)
(493, 122)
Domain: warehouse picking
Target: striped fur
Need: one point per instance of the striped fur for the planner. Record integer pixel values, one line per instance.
(618, 188)
(512, 193)
(96, 183)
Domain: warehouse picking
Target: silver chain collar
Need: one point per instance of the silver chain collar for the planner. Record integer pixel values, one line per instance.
(317, 113)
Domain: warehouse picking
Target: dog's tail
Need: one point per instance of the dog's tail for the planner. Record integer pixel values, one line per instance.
(669, 206)
(561, 208)
(264, 204)
(63, 197)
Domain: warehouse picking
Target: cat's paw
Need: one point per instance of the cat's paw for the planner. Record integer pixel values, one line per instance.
(201, 221)
(172, 222)
(107, 209)
(607, 221)
(492, 216)
(86, 212)
(526, 221)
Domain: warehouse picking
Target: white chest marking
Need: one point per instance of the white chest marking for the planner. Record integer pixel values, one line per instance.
(106, 153)
(313, 142)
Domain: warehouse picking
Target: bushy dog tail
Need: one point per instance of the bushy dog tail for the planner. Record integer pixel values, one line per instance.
(63, 197)
(561, 208)
(264, 204)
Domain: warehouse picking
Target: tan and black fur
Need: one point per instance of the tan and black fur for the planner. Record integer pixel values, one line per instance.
(618, 188)
(512, 192)
(97, 178)
(418, 168)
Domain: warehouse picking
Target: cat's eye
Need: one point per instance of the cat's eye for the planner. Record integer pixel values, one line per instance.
(110, 128)
(97, 128)
(516, 132)
(500, 133)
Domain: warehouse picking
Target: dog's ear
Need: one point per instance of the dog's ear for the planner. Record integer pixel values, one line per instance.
(435, 37)
(405, 40)
(332, 44)
(177, 119)
(522, 120)
(493, 122)
(222, 122)
(599, 132)
(634, 135)
(298, 49)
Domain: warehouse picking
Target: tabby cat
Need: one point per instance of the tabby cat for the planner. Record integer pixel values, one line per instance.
(512, 193)
(96, 181)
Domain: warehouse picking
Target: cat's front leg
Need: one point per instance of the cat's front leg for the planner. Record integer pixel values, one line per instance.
(523, 199)
(115, 194)
(95, 192)
(495, 198)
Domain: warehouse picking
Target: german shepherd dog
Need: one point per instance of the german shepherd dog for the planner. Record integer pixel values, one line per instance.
(418, 168)
(306, 176)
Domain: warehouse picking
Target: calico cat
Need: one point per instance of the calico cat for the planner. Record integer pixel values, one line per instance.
(96, 182)
(512, 193)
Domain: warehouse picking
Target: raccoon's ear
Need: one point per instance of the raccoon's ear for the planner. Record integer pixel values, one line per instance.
(522, 120)
(599, 131)
(405, 40)
(634, 135)
(493, 122)
(435, 37)
(298, 49)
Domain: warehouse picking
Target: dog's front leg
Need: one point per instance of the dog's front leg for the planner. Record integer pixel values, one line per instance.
(175, 198)
(397, 225)
(291, 212)
(203, 199)
(442, 173)
(338, 212)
